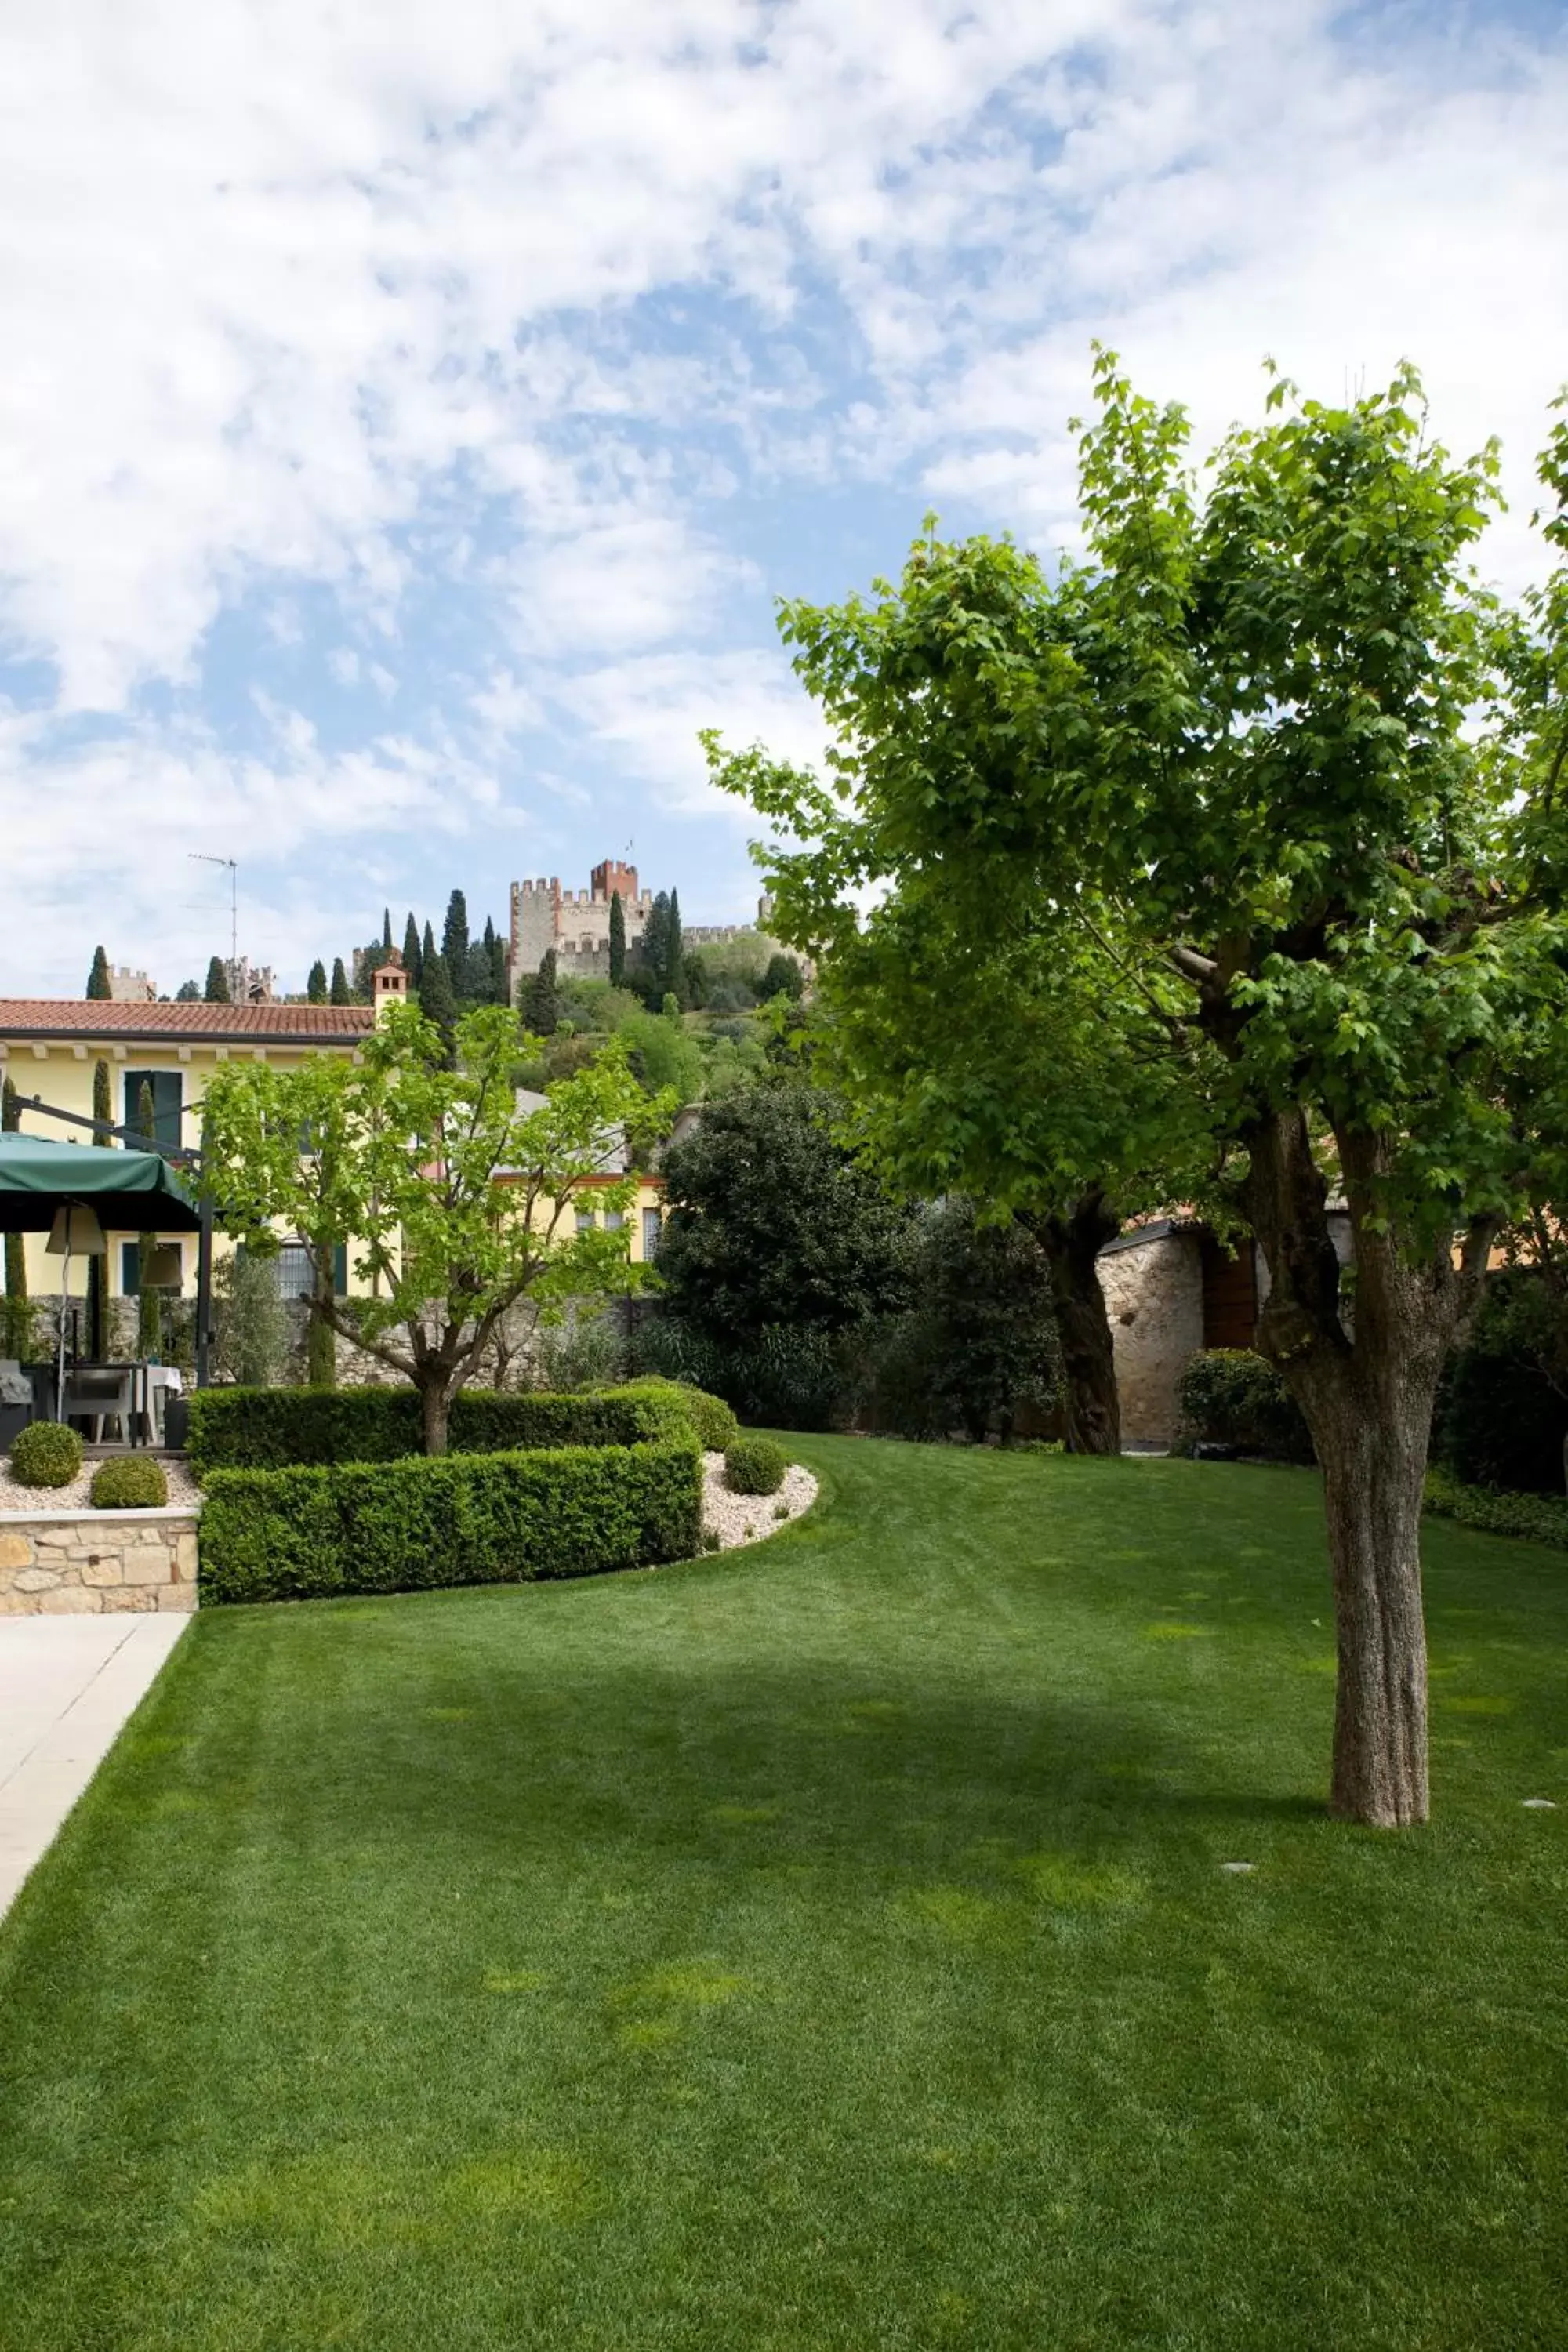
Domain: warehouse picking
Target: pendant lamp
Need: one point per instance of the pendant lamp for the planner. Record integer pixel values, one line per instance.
(76, 1233)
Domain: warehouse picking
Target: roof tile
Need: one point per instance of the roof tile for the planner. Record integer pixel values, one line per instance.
(65, 1016)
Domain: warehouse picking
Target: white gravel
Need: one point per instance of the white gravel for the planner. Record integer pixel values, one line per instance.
(28, 1501)
(747, 1518)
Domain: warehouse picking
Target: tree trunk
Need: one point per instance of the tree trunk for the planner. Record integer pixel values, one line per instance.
(1072, 1245)
(435, 1413)
(321, 1333)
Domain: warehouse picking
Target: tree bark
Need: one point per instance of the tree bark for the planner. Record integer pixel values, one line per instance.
(1072, 1245)
(1367, 1388)
(434, 1411)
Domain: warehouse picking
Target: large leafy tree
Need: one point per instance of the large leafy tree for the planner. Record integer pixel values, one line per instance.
(460, 1208)
(1272, 745)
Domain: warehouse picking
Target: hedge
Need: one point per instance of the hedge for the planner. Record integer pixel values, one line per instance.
(755, 1466)
(46, 1454)
(275, 1428)
(304, 1534)
(1231, 1396)
(1543, 1519)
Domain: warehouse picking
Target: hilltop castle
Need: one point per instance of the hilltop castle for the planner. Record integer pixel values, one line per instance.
(576, 923)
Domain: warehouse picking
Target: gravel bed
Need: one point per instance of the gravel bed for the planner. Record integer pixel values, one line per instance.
(747, 1518)
(30, 1500)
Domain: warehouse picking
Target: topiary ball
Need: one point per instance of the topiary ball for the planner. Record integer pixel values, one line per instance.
(46, 1454)
(715, 1423)
(755, 1466)
(134, 1484)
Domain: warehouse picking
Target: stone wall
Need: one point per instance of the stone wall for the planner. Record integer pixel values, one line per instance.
(1154, 1297)
(82, 1563)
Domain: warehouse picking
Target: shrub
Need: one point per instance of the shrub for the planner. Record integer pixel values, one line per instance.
(1230, 1396)
(1501, 1421)
(136, 1483)
(714, 1420)
(1543, 1519)
(265, 1429)
(755, 1466)
(46, 1454)
(463, 1519)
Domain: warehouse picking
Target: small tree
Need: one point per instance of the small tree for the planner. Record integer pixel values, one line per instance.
(781, 976)
(411, 960)
(250, 1322)
(672, 967)
(540, 1004)
(98, 988)
(340, 992)
(217, 991)
(97, 1303)
(386, 931)
(316, 986)
(18, 1316)
(461, 1207)
(618, 940)
(455, 937)
(438, 998)
(188, 992)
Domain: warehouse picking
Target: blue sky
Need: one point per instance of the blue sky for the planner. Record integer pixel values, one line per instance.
(411, 415)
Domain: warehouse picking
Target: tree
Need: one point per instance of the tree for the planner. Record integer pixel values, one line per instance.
(1273, 749)
(340, 992)
(770, 1222)
(217, 981)
(654, 945)
(386, 931)
(462, 1208)
(250, 1322)
(672, 969)
(501, 992)
(148, 1305)
(455, 937)
(618, 940)
(97, 1304)
(781, 976)
(316, 984)
(411, 960)
(17, 1332)
(188, 992)
(436, 996)
(540, 1005)
(978, 1343)
(98, 987)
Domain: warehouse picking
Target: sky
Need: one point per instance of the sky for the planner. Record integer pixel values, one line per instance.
(411, 414)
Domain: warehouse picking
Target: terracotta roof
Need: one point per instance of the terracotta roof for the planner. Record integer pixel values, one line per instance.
(68, 1017)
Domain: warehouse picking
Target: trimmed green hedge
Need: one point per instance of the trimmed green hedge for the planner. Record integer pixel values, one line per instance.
(755, 1466)
(275, 1428)
(132, 1482)
(1230, 1396)
(1543, 1518)
(460, 1519)
(46, 1454)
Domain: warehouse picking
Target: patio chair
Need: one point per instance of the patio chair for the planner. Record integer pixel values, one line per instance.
(98, 1393)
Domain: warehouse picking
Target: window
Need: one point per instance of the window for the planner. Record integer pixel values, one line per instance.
(294, 1271)
(614, 1220)
(584, 1221)
(651, 1224)
(166, 1103)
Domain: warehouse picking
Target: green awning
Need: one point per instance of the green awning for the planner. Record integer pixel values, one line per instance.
(131, 1192)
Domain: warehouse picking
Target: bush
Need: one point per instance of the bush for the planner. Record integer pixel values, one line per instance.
(710, 1416)
(1230, 1396)
(46, 1454)
(1543, 1519)
(464, 1519)
(265, 1429)
(1500, 1420)
(755, 1466)
(251, 1330)
(134, 1484)
(789, 1378)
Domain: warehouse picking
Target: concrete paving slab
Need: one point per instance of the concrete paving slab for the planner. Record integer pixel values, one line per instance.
(67, 1684)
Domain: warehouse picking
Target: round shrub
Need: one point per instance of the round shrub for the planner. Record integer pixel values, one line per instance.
(714, 1420)
(46, 1454)
(755, 1466)
(134, 1484)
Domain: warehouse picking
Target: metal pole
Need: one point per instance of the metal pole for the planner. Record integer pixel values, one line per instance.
(203, 1290)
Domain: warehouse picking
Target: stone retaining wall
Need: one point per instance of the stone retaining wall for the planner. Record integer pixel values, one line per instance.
(76, 1563)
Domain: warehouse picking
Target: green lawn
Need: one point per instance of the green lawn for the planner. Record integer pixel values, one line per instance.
(827, 1946)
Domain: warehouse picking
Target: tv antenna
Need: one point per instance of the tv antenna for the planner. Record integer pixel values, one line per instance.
(205, 857)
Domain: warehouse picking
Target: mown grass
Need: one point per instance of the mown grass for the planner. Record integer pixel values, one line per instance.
(827, 1945)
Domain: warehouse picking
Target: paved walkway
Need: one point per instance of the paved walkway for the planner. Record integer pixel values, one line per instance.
(67, 1684)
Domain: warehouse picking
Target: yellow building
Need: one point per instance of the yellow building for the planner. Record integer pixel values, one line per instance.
(50, 1049)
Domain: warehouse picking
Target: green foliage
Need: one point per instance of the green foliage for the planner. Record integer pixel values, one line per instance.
(755, 1466)
(710, 1416)
(539, 1004)
(46, 1454)
(217, 991)
(188, 992)
(17, 1318)
(340, 992)
(97, 984)
(460, 1204)
(413, 961)
(773, 1225)
(250, 1322)
(584, 1351)
(618, 940)
(316, 984)
(1231, 1396)
(1542, 1518)
(406, 1526)
(264, 1429)
(1502, 1416)
(781, 976)
(978, 1345)
(135, 1482)
(662, 1057)
(455, 936)
(437, 997)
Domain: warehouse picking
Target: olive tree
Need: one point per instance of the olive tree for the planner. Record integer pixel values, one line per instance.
(456, 1206)
(1270, 757)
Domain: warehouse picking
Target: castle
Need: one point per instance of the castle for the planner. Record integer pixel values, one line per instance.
(575, 924)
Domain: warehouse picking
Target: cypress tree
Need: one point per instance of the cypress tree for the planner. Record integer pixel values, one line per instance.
(102, 1102)
(316, 986)
(438, 1000)
(674, 954)
(426, 952)
(97, 1303)
(618, 940)
(217, 982)
(455, 937)
(18, 1328)
(386, 931)
(340, 991)
(188, 992)
(500, 987)
(541, 1006)
(98, 979)
(656, 932)
(411, 958)
(149, 1307)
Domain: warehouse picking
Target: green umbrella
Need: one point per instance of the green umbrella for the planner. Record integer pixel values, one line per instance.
(131, 1191)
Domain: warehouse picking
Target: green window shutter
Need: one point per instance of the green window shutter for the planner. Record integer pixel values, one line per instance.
(167, 1103)
(341, 1270)
(130, 1269)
